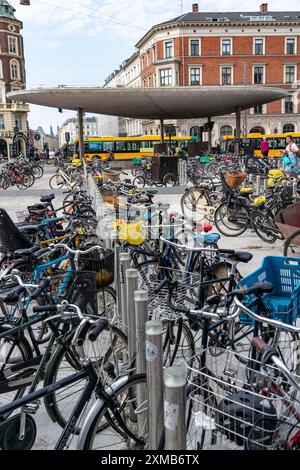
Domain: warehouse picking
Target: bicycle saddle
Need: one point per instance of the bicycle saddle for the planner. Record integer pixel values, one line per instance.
(30, 228)
(27, 251)
(204, 185)
(10, 295)
(151, 192)
(210, 237)
(48, 198)
(240, 256)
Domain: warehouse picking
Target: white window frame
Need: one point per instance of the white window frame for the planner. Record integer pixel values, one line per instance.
(3, 115)
(14, 62)
(165, 42)
(284, 74)
(294, 103)
(195, 66)
(232, 74)
(264, 74)
(264, 45)
(17, 45)
(221, 47)
(190, 47)
(264, 110)
(172, 76)
(285, 45)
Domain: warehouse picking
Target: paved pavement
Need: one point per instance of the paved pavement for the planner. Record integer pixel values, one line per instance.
(14, 200)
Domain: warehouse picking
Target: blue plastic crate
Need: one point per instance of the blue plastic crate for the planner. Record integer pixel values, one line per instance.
(283, 302)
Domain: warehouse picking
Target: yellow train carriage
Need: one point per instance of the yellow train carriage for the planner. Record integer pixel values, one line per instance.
(277, 143)
(126, 147)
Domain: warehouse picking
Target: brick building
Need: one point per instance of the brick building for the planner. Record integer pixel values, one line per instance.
(13, 115)
(229, 48)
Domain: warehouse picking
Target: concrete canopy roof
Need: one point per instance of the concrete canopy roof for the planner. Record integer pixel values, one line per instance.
(152, 103)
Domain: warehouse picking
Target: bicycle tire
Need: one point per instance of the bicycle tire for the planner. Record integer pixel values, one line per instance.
(290, 248)
(127, 389)
(64, 361)
(139, 181)
(264, 225)
(56, 182)
(220, 217)
(24, 354)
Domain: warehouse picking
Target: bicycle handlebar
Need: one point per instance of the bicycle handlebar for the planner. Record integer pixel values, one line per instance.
(77, 252)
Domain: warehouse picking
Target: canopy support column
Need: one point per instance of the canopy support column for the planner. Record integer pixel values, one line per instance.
(81, 139)
(238, 129)
(209, 136)
(162, 133)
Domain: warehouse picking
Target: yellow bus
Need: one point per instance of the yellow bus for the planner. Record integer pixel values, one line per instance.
(277, 143)
(126, 147)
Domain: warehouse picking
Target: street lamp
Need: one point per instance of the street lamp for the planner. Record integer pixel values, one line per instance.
(24, 2)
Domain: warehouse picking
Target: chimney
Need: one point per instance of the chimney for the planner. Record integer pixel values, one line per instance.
(264, 8)
(195, 8)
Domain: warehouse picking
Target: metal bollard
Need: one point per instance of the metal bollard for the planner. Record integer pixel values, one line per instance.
(175, 428)
(124, 265)
(257, 184)
(154, 366)
(132, 286)
(141, 317)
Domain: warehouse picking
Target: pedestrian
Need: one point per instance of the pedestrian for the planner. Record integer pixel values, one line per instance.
(265, 147)
(293, 154)
(111, 156)
(218, 148)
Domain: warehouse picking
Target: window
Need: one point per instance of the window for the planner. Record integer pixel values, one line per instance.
(12, 45)
(133, 146)
(195, 131)
(226, 46)
(168, 50)
(288, 105)
(148, 58)
(289, 74)
(14, 70)
(288, 128)
(257, 130)
(121, 146)
(165, 77)
(95, 147)
(290, 46)
(226, 130)
(195, 76)
(143, 61)
(258, 75)
(226, 76)
(195, 49)
(258, 46)
(108, 146)
(258, 109)
(1, 69)
(2, 122)
(149, 81)
(154, 53)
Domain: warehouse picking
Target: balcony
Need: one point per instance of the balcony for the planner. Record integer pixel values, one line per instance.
(15, 107)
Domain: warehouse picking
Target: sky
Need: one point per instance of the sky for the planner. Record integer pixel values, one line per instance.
(81, 42)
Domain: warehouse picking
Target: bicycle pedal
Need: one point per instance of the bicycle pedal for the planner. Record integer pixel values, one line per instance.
(32, 408)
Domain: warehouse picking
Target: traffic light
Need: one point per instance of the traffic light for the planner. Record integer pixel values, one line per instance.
(67, 136)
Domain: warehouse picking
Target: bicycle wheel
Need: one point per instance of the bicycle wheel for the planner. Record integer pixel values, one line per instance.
(109, 356)
(56, 182)
(139, 181)
(291, 247)
(178, 343)
(23, 181)
(264, 225)
(106, 301)
(169, 180)
(231, 222)
(195, 204)
(13, 350)
(136, 422)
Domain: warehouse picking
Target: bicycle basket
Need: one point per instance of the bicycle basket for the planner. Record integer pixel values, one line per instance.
(235, 179)
(283, 303)
(101, 264)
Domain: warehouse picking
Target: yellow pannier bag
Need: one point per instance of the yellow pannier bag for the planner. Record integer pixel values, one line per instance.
(130, 231)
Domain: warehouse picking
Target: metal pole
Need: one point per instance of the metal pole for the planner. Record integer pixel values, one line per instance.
(238, 129)
(257, 184)
(124, 265)
(209, 137)
(81, 140)
(141, 317)
(175, 432)
(132, 286)
(162, 132)
(154, 364)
